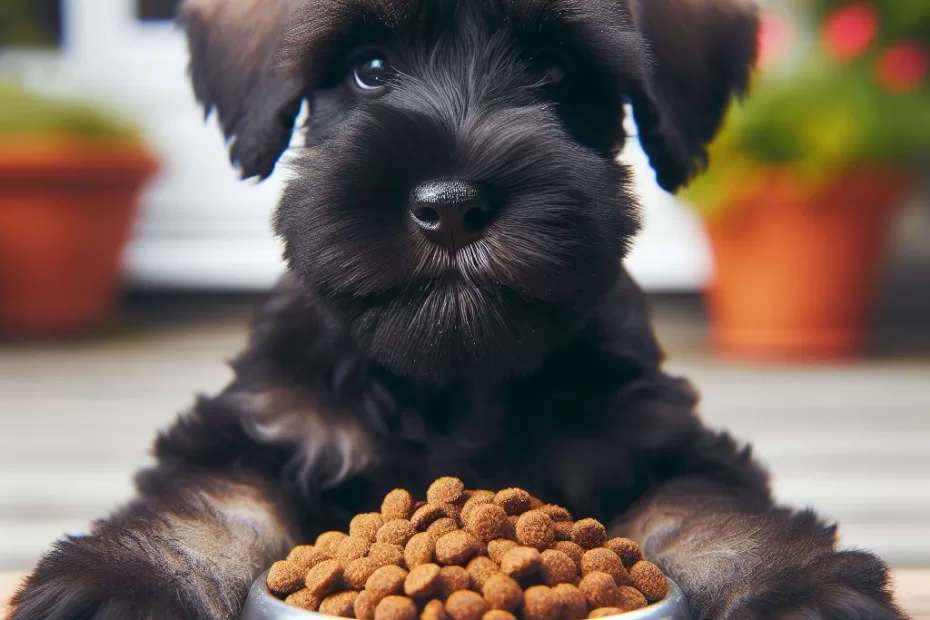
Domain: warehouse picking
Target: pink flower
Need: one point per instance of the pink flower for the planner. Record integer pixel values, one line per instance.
(850, 30)
(902, 67)
(776, 33)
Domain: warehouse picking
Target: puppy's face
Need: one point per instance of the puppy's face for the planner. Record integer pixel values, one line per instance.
(458, 200)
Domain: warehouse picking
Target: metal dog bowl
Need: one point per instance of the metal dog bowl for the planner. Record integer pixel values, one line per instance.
(263, 605)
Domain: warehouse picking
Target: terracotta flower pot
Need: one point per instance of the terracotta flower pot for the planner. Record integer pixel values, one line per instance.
(796, 271)
(66, 212)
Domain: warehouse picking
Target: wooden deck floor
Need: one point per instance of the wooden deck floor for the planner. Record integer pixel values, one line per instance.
(77, 418)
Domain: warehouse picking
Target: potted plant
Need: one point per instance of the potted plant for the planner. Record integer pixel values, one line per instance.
(805, 176)
(70, 176)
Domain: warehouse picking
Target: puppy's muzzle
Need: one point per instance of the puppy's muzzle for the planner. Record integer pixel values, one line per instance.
(452, 213)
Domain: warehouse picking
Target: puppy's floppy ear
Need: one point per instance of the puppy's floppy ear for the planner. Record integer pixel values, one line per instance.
(702, 54)
(233, 46)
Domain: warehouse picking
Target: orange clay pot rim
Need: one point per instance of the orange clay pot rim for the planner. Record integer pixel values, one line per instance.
(44, 155)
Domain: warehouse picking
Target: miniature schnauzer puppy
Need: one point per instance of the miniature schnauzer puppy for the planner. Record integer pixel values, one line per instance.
(454, 223)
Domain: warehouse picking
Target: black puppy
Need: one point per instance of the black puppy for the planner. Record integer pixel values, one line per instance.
(455, 305)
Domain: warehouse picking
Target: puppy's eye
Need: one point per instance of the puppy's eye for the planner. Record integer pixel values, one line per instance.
(371, 73)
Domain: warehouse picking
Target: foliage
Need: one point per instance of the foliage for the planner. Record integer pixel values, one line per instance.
(858, 95)
(23, 113)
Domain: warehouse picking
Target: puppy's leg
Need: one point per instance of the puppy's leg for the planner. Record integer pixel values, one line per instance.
(188, 548)
(735, 561)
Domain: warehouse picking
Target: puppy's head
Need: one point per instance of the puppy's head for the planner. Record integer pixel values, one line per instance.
(457, 199)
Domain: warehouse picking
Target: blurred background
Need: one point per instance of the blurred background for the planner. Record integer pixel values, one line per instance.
(791, 284)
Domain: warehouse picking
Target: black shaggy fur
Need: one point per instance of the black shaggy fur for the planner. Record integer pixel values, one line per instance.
(525, 359)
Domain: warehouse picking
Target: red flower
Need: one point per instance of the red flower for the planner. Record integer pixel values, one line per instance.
(850, 30)
(776, 34)
(903, 67)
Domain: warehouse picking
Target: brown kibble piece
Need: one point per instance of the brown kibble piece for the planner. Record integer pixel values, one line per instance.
(514, 501)
(285, 578)
(606, 612)
(488, 522)
(357, 572)
(605, 561)
(365, 606)
(365, 526)
(396, 608)
(434, 610)
(304, 599)
(466, 605)
(632, 599)
(424, 516)
(398, 504)
(440, 527)
(498, 614)
(386, 553)
(600, 590)
(396, 532)
(420, 550)
(385, 581)
(340, 605)
(497, 548)
(541, 603)
(563, 530)
(589, 533)
(556, 567)
(451, 579)
(351, 549)
(556, 513)
(628, 551)
(520, 562)
(535, 529)
(423, 581)
(327, 541)
(478, 498)
(572, 550)
(479, 569)
(324, 577)
(445, 491)
(649, 580)
(502, 592)
(306, 557)
(573, 602)
(456, 548)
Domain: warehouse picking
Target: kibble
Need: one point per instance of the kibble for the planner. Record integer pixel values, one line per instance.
(535, 529)
(423, 581)
(340, 605)
(456, 548)
(502, 592)
(468, 555)
(398, 504)
(628, 551)
(466, 605)
(304, 599)
(434, 610)
(324, 578)
(285, 578)
(396, 608)
(386, 553)
(521, 562)
(366, 526)
(385, 581)
(445, 491)
(556, 567)
(648, 579)
(604, 561)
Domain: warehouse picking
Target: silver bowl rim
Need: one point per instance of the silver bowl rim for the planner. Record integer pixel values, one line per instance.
(263, 605)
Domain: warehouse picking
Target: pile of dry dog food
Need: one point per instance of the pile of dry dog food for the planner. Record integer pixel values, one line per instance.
(468, 555)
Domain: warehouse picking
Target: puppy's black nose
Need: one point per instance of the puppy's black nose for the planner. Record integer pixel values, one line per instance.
(451, 213)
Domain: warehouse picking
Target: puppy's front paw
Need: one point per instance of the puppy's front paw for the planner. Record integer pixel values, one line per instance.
(80, 579)
(844, 585)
